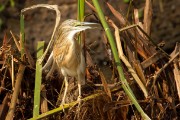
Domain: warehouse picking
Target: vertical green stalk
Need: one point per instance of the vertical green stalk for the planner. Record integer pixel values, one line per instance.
(81, 10)
(38, 78)
(125, 85)
(22, 36)
(80, 17)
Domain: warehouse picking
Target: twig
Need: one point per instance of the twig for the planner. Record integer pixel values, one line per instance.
(16, 42)
(12, 66)
(176, 69)
(151, 60)
(159, 72)
(105, 85)
(177, 78)
(152, 41)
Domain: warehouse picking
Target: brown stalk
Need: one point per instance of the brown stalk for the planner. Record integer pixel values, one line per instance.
(16, 92)
(4, 106)
(44, 105)
(147, 16)
(105, 85)
(176, 68)
(168, 63)
(151, 60)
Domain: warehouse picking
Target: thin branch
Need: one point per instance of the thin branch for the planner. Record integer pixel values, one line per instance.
(159, 72)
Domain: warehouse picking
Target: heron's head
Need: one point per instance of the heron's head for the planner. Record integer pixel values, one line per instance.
(71, 27)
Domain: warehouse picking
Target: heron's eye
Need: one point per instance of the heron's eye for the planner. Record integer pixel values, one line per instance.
(76, 25)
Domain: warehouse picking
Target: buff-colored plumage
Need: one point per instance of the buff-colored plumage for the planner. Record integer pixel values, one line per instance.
(67, 53)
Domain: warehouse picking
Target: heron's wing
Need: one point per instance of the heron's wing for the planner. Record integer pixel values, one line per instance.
(60, 51)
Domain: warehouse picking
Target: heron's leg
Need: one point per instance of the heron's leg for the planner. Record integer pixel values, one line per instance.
(81, 81)
(79, 89)
(79, 99)
(65, 91)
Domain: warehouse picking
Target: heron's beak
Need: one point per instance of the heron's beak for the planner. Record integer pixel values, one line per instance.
(86, 25)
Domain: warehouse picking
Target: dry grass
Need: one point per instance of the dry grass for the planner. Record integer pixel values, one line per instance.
(104, 99)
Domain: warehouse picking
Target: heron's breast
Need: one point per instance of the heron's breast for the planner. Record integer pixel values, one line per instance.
(66, 56)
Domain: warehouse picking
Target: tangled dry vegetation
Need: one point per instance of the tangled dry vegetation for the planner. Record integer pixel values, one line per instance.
(152, 74)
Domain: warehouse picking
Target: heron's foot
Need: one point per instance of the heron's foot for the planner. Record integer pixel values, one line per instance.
(79, 100)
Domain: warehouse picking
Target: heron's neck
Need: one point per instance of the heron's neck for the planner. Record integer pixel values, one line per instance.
(64, 37)
(71, 34)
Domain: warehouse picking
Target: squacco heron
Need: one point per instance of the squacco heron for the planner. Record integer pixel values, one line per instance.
(67, 53)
